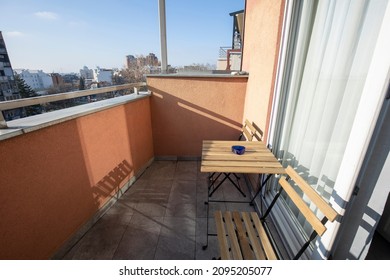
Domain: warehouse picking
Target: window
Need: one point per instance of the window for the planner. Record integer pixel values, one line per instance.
(329, 53)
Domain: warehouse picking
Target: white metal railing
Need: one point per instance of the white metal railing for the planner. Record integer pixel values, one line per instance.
(18, 103)
(223, 52)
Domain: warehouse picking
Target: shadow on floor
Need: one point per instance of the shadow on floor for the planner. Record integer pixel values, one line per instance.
(162, 216)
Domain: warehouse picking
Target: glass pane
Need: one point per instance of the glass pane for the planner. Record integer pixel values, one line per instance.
(333, 48)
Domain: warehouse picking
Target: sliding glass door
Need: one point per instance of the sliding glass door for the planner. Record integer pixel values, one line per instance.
(330, 49)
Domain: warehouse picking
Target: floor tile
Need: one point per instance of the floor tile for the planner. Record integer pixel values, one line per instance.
(151, 209)
(186, 170)
(161, 216)
(181, 227)
(101, 242)
(184, 210)
(183, 192)
(175, 248)
(140, 239)
(163, 170)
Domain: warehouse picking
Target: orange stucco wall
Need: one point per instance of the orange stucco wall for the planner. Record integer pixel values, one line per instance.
(263, 24)
(53, 180)
(188, 110)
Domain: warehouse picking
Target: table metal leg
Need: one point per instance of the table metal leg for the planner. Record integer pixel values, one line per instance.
(213, 188)
(260, 188)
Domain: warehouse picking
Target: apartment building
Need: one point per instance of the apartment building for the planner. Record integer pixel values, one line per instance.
(8, 88)
(36, 79)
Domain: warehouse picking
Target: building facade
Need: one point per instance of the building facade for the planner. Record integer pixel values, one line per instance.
(57, 79)
(36, 79)
(151, 60)
(102, 76)
(8, 87)
(131, 62)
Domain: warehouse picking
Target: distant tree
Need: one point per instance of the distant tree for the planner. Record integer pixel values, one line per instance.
(129, 75)
(26, 91)
(82, 83)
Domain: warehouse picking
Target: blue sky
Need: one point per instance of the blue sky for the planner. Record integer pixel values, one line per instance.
(63, 36)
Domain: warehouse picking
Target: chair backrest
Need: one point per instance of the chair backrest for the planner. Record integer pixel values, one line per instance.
(247, 131)
(250, 131)
(258, 133)
(307, 212)
(303, 189)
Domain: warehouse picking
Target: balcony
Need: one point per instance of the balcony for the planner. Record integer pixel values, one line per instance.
(88, 181)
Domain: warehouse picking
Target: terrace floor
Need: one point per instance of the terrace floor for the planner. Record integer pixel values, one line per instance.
(162, 216)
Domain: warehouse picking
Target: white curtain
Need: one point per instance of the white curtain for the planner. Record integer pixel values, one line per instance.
(334, 47)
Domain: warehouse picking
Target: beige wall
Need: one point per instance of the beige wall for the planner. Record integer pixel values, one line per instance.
(53, 180)
(188, 110)
(263, 22)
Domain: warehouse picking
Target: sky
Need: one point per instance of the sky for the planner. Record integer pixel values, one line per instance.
(63, 36)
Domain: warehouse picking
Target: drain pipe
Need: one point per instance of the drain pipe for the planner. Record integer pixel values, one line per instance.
(163, 37)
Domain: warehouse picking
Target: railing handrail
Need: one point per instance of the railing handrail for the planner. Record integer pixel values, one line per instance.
(18, 103)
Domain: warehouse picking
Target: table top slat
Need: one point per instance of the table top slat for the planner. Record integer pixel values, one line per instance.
(259, 164)
(245, 169)
(218, 157)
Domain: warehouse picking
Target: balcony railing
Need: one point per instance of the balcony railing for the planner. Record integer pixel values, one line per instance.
(64, 169)
(232, 58)
(19, 103)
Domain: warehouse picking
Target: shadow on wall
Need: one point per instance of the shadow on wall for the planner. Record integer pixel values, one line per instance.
(180, 126)
(110, 185)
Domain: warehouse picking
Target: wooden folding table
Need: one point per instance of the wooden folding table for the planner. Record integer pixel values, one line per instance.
(217, 157)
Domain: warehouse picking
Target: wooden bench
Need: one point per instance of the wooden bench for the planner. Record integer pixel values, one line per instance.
(243, 235)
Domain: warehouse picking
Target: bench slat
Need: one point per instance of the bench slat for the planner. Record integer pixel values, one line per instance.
(269, 251)
(235, 247)
(257, 249)
(325, 208)
(242, 238)
(222, 240)
(305, 210)
(247, 235)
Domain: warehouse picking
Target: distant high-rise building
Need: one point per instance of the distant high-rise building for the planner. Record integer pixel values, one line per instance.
(57, 79)
(131, 61)
(86, 73)
(151, 60)
(141, 61)
(8, 87)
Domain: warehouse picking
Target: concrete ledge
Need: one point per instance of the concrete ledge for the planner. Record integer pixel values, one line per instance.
(197, 75)
(29, 124)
